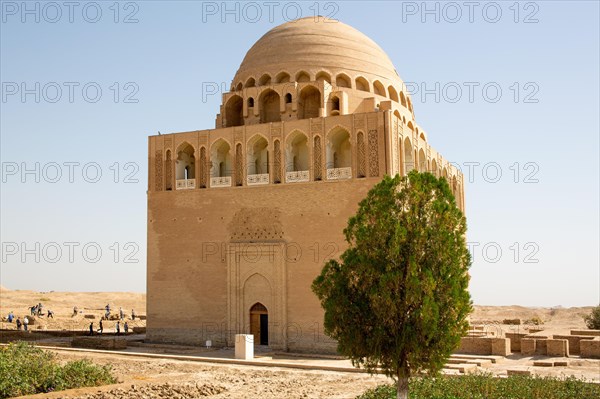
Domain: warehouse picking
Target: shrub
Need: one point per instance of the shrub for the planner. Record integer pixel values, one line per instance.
(486, 386)
(593, 319)
(535, 320)
(27, 370)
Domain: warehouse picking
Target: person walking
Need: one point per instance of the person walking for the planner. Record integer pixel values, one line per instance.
(25, 323)
(126, 327)
(50, 314)
(91, 328)
(118, 327)
(132, 314)
(121, 313)
(11, 316)
(18, 324)
(101, 327)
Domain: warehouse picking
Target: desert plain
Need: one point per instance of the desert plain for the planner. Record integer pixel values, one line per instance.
(148, 370)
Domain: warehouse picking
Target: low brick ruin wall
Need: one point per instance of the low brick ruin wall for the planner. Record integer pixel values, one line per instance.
(107, 343)
(593, 333)
(515, 340)
(542, 346)
(590, 348)
(574, 342)
(484, 346)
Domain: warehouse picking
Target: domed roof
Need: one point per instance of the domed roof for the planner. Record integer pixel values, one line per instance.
(311, 46)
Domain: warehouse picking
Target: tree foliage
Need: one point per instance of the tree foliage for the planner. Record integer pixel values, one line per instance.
(593, 319)
(398, 300)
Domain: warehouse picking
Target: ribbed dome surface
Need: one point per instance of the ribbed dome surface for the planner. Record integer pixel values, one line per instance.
(311, 46)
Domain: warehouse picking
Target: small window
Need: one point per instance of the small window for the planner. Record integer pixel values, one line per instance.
(288, 98)
(250, 102)
(335, 104)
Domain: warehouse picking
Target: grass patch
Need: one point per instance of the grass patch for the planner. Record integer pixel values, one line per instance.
(486, 386)
(27, 370)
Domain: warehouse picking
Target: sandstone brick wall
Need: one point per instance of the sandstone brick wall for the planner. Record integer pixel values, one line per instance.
(590, 348)
(189, 235)
(515, 340)
(557, 347)
(484, 346)
(574, 342)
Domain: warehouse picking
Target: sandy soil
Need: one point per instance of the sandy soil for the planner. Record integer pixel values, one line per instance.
(62, 303)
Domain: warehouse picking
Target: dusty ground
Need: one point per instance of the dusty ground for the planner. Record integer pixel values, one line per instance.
(169, 378)
(62, 303)
(179, 379)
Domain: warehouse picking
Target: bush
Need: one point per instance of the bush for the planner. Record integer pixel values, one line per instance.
(593, 319)
(486, 386)
(27, 370)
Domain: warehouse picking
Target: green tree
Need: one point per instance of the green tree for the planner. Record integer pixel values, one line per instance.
(398, 300)
(593, 319)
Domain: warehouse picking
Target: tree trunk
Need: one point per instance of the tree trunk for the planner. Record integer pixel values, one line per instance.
(402, 389)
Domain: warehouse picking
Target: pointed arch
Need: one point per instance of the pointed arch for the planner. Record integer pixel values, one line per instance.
(323, 76)
(362, 84)
(257, 155)
(264, 80)
(186, 162)
(343, 80)
(269, 106)
(221, 159)
(250, 82)
(282, 77)
(234, 111)
(402, 99)
(422, 161)
(302, 76)
(393, 94)
(309, 102)
(338, 150)
(296, 152)
(378, 88)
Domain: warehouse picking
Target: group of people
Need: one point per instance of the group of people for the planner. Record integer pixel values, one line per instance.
(37, 310)
(20, 324)
(121, 313)
(100, 329)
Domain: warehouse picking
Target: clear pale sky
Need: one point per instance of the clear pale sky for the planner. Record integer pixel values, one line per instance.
(532, 194)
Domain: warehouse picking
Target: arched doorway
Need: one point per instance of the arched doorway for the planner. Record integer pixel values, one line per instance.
(259, 323)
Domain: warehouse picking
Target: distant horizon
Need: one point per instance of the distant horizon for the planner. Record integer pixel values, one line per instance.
(139, 292)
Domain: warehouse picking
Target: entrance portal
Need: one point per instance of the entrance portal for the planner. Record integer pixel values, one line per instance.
(259, 323)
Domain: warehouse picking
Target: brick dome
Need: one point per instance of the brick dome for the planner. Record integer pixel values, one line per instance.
(307, 48)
